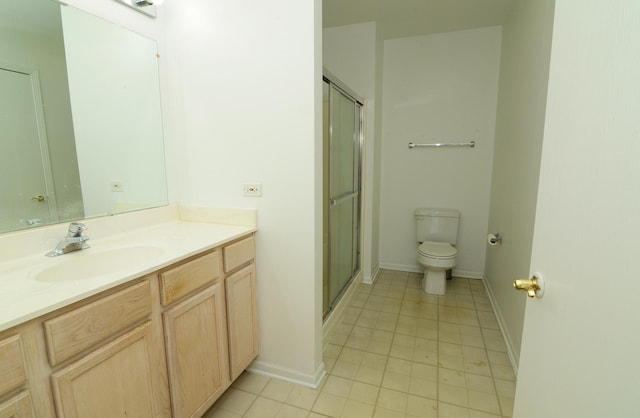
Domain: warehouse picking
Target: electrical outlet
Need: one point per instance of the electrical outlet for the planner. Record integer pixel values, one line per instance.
(252, 189)
(117, 186)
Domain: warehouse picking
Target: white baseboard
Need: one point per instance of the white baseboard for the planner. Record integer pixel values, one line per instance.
(467, 274)
(334, 318)
(289, 375)
(373, 277)
(400, 267)
(514, 356)
(414, 269)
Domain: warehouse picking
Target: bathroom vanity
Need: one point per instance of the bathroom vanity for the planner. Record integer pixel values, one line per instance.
(162, 337)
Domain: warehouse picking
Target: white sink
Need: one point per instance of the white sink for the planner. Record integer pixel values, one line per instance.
(85, 264)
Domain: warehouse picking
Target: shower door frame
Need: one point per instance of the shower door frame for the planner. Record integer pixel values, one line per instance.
(358, 142)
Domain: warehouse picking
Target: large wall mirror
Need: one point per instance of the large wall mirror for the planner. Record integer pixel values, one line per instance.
(80, 117)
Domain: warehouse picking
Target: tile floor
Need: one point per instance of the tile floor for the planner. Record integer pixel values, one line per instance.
(397, 353)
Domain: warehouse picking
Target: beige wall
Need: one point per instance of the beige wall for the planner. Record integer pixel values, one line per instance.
(524, 76)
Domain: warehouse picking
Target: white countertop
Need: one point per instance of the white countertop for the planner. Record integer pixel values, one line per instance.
(176, 235)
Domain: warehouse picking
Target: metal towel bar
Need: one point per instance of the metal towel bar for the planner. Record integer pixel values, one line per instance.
(470, 144)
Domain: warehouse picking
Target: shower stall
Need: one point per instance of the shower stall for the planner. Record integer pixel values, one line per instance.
(342, 167)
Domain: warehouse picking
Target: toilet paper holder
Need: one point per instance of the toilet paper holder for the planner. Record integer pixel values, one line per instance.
(494, 239)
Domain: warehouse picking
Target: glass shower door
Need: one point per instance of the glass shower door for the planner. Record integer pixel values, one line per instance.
(343, 190)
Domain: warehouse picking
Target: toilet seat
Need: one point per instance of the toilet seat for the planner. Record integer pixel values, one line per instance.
(437, 250)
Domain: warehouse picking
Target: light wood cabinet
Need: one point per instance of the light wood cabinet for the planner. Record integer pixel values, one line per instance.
(79, 329)
(164, 345)
(239, 253)
(18, 406)
(112, 357)
(196, 341)
(211, 334)
(12, 370)
(195, 333)
(242, 313)
(179, 281)
(242, 319)
(115, 380)
(13, 377)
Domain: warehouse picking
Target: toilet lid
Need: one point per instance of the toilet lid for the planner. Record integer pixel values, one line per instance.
(437, 249)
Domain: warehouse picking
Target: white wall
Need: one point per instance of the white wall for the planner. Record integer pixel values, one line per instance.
(246, 98)
(524, 74)
(438, 88)
(241, 94)
(153, 29)
(377, 155)
(350, 53)
(129, 151)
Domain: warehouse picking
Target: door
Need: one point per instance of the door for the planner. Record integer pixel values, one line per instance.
(581, 342)
(197, 356)
(343, 142)
(26, 189)
(242, 319)
(115, 380)
(18, 406)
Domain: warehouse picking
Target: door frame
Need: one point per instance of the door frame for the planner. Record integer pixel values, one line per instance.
(43, 139)
(333, 81)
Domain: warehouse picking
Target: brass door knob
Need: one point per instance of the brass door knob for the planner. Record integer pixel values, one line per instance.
(533, 286)
(39, 198)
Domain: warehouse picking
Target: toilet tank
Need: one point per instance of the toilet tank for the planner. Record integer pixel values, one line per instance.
(439, 225)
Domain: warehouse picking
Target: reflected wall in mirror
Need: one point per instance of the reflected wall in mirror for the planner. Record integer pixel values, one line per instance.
(80, 117)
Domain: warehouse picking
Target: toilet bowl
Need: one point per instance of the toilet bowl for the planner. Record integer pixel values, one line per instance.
(436, 258)
(437, 233)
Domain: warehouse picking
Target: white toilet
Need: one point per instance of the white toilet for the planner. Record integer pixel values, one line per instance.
(437, 233)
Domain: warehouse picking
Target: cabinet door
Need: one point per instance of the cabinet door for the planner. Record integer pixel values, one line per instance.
(17, 407)
(239, 253)
(116, 380)
(12, 371)
(197, 358)
(242, 319)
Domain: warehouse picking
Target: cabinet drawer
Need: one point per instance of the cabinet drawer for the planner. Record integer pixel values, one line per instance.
(239, 253)
(73, 332)
(12, 371)
(17, 407)
(180, 281)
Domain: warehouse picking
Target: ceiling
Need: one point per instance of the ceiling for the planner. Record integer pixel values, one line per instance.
(401, 18)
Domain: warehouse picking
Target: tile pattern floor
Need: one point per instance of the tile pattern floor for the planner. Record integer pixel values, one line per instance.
(398, 353)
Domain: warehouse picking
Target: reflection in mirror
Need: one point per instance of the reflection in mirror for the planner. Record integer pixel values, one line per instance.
(80, 118)
(38, 156)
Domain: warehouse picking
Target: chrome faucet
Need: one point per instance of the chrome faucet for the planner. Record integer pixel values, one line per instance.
(74, 241)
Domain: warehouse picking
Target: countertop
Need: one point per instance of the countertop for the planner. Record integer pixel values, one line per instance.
(23, 297)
